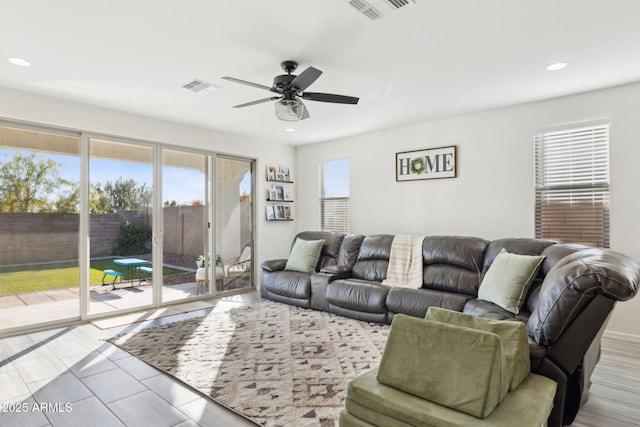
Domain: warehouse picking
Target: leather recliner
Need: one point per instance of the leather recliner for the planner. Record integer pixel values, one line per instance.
(565, 311)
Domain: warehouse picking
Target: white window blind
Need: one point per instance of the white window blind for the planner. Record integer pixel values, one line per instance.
(572, 185)
(334, 195)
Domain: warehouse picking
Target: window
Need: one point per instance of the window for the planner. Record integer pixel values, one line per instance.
(334, 195)
(572, 185)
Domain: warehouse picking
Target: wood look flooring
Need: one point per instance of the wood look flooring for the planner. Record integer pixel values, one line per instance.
(614, 397)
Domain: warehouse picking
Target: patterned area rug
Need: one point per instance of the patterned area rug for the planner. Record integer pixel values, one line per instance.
(275, 364)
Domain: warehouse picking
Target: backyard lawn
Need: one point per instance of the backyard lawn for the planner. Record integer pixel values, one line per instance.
(44, 277)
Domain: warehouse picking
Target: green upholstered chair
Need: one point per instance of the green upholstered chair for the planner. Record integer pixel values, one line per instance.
(453, 371)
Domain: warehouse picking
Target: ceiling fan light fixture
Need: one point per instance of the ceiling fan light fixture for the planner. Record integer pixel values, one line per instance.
(289, 110)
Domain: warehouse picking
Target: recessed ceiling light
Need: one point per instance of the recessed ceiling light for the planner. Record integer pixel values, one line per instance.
(19, 61)
(557, 66)
(289, 130)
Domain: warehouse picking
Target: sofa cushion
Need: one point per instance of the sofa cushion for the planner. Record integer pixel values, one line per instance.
(512, 334)
(457, 367)
(358, 315)
(416, 302)
(304, 256)
(489, 310)
(507, 281)
(376, 404)
(357, 294)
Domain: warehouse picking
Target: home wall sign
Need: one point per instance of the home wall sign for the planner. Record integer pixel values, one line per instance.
(430, 163)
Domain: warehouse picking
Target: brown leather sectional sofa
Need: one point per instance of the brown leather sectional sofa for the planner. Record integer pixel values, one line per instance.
(565, 311)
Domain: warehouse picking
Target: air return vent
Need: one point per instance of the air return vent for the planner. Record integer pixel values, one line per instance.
(200, 86)
(376, 9)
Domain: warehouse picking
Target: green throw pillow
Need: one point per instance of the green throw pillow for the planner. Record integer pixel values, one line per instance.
(507, 281)
(304, 256)
(457, 367)
(513, 335)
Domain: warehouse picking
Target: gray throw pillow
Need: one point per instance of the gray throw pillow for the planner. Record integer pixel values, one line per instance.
(507, 281)
(304, 256)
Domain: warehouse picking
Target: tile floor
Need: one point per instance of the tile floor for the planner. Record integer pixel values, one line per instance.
(72, 377)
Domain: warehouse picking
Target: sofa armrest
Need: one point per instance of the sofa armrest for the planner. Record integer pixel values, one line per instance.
(573, 283)
(274, 264)
(337, 271)
(320, 281)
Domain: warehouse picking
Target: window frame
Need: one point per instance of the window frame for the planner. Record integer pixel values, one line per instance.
(341, 204)
(572, 183)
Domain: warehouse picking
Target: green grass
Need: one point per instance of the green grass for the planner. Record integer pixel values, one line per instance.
(44, 277)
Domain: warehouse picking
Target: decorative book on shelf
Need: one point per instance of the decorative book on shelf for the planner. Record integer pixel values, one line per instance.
(281, 174)
(280, 194)
(279, 212)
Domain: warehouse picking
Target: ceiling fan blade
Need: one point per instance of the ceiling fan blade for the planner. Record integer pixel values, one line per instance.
(260, 101)
(244, 82)
(329, 97)
(306, 78)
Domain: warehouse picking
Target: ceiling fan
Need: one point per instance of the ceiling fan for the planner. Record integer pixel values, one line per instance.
(290, 89)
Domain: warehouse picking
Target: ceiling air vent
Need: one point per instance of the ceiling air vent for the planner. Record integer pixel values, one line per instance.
(200, 86)
(376, 9)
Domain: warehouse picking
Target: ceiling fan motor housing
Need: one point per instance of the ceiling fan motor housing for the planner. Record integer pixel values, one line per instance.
(282, 84)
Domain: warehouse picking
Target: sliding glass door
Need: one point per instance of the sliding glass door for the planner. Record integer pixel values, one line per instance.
(39, 226)
(120, 225)
(234, 197)
(94, 225)
(185, 220)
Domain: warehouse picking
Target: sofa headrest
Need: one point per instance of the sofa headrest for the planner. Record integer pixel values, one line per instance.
(453, 263)
(375, 247)
(555, 253)
(464, 252)
(520, 246)
(349, 249)
(373, 258)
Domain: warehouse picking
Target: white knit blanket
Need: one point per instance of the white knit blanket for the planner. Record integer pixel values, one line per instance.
(405, 262)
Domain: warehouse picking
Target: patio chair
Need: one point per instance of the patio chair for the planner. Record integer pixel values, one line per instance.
(237, 267)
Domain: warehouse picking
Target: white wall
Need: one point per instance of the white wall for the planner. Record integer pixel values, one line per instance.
(273, 239)
(492, 197)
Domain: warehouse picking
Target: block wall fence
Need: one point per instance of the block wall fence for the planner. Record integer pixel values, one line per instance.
(28, 238)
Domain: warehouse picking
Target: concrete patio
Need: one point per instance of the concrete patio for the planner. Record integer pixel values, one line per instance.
(52, 305)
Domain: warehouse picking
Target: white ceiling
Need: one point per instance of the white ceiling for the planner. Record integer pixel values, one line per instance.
(429, 60)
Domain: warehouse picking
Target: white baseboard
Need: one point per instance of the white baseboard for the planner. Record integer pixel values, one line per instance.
(619, 336)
